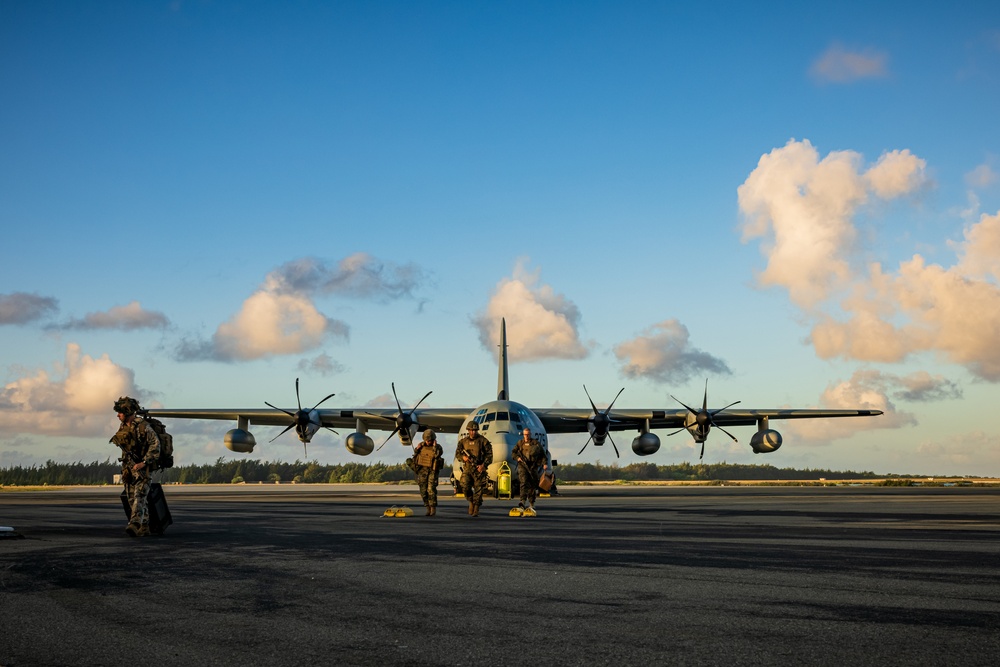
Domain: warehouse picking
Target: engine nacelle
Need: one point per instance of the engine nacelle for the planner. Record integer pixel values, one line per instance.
(646, 444)
(240, 440)
(360, 444)
(765, 442)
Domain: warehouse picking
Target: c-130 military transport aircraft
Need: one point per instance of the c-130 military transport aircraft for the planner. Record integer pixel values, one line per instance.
(502, 421)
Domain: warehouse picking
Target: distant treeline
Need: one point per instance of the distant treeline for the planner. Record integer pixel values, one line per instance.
(220, 472)
(700, 472)
(252, 471)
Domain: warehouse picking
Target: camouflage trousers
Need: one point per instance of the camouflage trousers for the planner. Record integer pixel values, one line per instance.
(427, 480)
(473, 485)
(529, 483)
(137, 490)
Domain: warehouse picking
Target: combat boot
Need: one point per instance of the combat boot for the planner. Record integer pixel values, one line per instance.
(132, 529)
(472, 508)
(143, 530)
(475, 510)
(432, 510)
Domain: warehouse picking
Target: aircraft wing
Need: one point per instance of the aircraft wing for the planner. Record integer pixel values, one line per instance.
(443, 420)
(555, 420)
(574, 420)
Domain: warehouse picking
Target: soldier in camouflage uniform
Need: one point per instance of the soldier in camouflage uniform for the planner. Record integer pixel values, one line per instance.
(530, 459)
(427, 461)
(140, 453)
(476, 454)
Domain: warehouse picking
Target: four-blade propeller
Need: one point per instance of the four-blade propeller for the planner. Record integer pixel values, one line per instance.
(704, 420)
(404, 420)
(602, 423)
(301, 419)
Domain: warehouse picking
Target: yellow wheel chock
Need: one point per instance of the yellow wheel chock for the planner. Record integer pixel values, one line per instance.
(529, 511)
(398, 512)
(516, 511)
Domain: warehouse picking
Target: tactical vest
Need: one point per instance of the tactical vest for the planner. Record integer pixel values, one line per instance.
(529, 451)
(425, 457)
(474, 448)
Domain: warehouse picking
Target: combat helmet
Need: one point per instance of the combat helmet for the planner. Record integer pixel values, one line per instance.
(472, 426)
(430, 435)
(127, 406)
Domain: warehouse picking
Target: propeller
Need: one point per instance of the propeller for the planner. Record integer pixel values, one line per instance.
(601, 421)
(704, 420)
(404, 420)
(301, 419)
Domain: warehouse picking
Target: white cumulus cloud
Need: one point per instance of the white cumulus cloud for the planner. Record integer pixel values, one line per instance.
(281, 318)
(803, 207)
(979, 254)
(896, 173)
(76, 398)
(270, 323)
(541, 324)
(922, 308)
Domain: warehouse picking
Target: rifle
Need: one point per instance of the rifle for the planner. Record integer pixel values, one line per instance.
(533, 472)
(532, 467)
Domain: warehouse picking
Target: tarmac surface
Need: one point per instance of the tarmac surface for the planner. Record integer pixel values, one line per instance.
(612, 575)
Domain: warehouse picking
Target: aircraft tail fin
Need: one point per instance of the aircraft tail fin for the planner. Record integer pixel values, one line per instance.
(503, 386)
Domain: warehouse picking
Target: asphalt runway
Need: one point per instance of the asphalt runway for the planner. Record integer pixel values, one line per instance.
(616, 575)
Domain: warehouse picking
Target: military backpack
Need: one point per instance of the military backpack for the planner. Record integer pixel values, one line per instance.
(166, 443)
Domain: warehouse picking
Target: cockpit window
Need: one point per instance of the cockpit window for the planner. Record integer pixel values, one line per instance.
(491, 416)
(503, 416)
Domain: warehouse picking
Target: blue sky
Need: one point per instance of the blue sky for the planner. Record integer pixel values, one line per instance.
(202, 201)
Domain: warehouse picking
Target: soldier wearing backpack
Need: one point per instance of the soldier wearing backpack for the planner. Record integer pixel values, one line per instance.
(140, 447)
